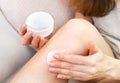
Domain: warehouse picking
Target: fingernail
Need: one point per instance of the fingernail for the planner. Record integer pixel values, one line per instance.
(20, 33)
(59, 76)
(51, 69)
(29, 33)
(56, 56)
(37, 37)
(51, 64)
(24, 25)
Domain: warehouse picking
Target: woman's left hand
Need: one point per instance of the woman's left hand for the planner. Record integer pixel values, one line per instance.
(84, 68)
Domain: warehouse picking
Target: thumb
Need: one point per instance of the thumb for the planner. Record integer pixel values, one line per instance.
(92, 48)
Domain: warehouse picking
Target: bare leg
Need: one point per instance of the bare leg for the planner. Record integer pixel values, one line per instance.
(74, 37)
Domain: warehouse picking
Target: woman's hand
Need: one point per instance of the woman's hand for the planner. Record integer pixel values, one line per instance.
(84, 68)
(28, 39)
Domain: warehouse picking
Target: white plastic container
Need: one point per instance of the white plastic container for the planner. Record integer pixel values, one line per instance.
(40, 22)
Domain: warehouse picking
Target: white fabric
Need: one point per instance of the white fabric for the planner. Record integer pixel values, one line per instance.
(12, 54)
(109, 26)
(16, 11)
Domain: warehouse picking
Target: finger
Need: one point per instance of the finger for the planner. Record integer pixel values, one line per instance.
(92, 48)
(73, 67)
(74, 59)
(65, 71)
(69, 74)
(35, 41)
(23, 29)
(42, 42)
(80, 77)
(27, 38)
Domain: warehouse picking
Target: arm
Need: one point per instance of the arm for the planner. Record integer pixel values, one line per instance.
(115, 72)
(97, 65)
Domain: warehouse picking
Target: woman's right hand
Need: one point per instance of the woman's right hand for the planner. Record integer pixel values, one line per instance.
(35, 41)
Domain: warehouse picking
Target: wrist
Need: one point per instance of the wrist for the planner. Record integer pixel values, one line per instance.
(114, 71)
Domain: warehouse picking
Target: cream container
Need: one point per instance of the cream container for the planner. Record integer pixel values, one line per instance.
(40, 22)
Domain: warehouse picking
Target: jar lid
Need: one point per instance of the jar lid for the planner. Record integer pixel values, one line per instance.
(40, 22)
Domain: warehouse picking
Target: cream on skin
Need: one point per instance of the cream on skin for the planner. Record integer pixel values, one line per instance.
(50, 56)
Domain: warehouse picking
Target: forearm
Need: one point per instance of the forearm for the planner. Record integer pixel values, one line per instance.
(114, 71)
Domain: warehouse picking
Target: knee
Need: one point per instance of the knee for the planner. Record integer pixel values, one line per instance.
(80, 25)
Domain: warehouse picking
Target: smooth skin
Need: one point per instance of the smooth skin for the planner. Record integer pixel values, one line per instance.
(74, 37)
